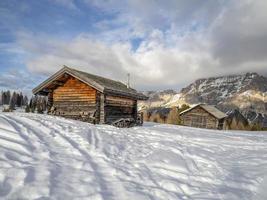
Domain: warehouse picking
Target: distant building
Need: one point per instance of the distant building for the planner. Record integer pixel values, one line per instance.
(204, 116)
(236, 121)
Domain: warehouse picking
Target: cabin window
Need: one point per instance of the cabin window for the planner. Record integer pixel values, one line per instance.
(199, 121)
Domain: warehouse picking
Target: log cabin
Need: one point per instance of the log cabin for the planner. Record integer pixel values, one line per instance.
(203, 116)
(79, 95)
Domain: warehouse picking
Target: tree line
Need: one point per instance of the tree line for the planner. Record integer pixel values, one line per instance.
(13, 100)
(165, 115)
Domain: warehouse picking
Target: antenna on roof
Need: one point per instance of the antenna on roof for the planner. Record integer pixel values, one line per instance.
(128, 80)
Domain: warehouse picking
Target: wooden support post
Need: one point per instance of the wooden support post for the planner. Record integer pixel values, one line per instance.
(49, 101)
(135, 110)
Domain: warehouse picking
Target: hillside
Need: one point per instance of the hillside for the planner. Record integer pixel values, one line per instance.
(46, 157)
(243, 91)
(247, 93)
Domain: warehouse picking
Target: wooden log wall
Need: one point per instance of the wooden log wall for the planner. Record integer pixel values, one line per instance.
(102, 109)
(73, 98)
(199, 118)
(119, 107)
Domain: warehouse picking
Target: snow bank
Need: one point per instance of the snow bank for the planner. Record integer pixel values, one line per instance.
(45, 157)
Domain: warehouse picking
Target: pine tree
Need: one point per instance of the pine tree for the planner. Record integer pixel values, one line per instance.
(25, 101)
(4, 98)
(12, 102)
(8, 97)
(32, 104)
(27, 109)
(1, 98)
(183, 108)
(19, 99)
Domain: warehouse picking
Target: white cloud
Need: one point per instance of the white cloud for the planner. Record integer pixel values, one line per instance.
(181, 41)
(240, 36)
(152, 65)
(18, 80)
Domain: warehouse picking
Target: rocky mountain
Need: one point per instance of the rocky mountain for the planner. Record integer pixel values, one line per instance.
(158, 98)
(247, 92)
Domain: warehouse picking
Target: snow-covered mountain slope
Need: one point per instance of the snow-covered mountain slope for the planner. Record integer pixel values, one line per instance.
(243, 91)
(246, 92)
(46, 157)
(157, 99)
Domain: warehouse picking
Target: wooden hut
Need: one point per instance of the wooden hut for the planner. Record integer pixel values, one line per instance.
(87, 97)
(236, 121)
(203, 116)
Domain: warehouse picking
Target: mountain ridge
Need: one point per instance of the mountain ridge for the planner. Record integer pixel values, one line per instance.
(245, 92)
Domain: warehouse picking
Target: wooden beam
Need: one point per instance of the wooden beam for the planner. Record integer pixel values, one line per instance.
(66, 75)
(47, 90)
(58, 83)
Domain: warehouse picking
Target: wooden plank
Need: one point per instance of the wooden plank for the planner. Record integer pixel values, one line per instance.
(119, 100)
(102, 119)
(74, 97)
(74, 90)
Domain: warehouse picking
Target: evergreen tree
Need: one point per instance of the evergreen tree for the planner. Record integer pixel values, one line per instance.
(4, 98)
(8, 97)
(12, 102)
(1, 98)
(18, 99)
(25, 101)
(32, 104)
(27, 109)
(183, 108)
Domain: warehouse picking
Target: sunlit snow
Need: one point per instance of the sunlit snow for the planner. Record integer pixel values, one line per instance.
(46, 157)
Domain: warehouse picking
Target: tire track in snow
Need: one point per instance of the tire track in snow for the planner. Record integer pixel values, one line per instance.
(47, 142)
(111, 187)
(41, 146)
(18, 132)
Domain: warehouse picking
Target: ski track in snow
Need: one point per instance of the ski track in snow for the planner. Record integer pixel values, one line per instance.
(44, 157)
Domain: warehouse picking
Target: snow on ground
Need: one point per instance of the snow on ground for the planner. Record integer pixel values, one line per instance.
(44, 157)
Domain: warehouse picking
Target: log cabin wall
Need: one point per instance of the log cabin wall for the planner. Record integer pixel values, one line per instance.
(102, 109)
(73, 98)
(119, 107)
(199, 118)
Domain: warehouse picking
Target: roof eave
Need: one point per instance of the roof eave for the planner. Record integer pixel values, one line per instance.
(44, 83)
(136, 96)
(67, 70)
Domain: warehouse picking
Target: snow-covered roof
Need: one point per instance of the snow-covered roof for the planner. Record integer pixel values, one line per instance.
(210, 109)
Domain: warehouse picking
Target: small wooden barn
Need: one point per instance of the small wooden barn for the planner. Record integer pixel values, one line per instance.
(203, 116)
(87, 97)
(236, 121)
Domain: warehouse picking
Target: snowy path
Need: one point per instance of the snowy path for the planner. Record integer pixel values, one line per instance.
(45, 157)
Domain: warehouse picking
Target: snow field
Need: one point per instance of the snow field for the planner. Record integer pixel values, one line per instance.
(46, 157)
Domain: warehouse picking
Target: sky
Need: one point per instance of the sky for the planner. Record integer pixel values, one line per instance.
(163, 44)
